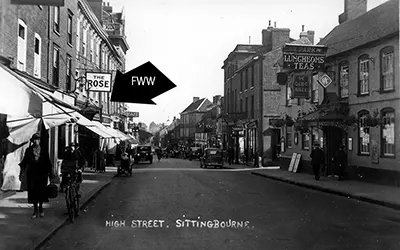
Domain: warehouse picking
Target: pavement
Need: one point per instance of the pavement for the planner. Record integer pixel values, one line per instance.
(19, 231)
(388, 196)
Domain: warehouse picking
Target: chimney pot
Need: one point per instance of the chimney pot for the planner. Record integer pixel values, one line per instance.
(302, 27)
(274, 24)
(269, 23)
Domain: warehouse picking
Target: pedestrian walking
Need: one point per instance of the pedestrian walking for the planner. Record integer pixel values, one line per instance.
(230, 155)
(317, 158)
(340, 160)
(101, 166)
(38, 168)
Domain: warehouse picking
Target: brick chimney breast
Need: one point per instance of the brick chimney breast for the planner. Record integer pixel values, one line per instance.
(311, 34)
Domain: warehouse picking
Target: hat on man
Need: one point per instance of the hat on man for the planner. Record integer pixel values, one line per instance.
(35, 136)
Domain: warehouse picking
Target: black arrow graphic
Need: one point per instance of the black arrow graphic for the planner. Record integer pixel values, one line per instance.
(140, 85)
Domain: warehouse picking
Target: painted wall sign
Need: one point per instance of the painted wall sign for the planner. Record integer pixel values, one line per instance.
(301, 86)
(304, 57)
(98, 82)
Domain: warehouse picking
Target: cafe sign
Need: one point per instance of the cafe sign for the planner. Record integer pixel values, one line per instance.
(304, 57)
(301, 86)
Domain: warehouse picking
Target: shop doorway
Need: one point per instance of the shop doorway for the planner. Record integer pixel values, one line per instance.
(275, 144)
(335, 137)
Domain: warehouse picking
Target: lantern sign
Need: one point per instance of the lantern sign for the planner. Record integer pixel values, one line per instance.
(304, 57)
(301, 86)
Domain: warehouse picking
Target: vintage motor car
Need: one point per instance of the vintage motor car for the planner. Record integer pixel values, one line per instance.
(212, 157)
(143, 153)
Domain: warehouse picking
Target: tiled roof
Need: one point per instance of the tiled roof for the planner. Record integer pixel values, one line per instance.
(372, 25)
(194, 105)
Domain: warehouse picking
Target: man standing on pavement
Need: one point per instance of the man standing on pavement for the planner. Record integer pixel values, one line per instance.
(317, 158)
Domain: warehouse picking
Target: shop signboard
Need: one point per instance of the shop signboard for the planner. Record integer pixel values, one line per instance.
(304, 57)
(98, 82)
(131, 114)
(301, 86)
(325, 80)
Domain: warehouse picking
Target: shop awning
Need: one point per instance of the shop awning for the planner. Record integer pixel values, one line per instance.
(16, 97)
(92, 126)
(107, 130)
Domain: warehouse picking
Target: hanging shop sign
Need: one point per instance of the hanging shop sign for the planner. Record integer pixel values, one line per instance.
(131, 114)
(304, 57)
(98, 82)
(301, 86)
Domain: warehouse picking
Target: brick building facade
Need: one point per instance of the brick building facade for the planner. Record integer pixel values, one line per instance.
(359, 109)
(53, 47)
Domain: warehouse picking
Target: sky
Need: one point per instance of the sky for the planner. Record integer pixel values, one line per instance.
(188, 40)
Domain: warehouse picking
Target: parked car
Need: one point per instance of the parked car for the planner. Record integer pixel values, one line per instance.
(143, 153)
(212, 157)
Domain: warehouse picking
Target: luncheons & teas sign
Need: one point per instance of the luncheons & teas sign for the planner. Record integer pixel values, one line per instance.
(304, 57)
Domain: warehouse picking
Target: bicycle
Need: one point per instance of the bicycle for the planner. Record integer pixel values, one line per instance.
(72, 195)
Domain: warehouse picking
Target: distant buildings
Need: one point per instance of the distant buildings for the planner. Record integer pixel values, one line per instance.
(190, 116)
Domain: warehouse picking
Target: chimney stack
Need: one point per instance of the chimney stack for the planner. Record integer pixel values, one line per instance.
(195, 99)
(311, 34)
(352, 9)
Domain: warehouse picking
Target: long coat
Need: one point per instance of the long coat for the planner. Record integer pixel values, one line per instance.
(317, 157)
(37, 174)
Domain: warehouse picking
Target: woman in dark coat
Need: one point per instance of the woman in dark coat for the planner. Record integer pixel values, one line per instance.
(38, 168)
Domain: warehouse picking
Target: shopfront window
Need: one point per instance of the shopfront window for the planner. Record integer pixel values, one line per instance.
(305, 141)
(387, 133)
(363, 134)
(315, 136)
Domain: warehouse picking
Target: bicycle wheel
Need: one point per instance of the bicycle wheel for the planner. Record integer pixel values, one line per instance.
(76, 207)
(69, 202)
